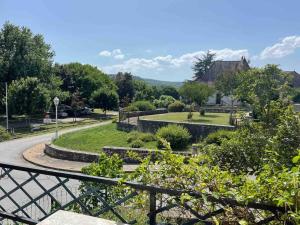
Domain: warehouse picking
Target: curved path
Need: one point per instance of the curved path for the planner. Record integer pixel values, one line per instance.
(11, 151)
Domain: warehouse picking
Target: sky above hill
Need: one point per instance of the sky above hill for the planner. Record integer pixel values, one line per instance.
(160, 39)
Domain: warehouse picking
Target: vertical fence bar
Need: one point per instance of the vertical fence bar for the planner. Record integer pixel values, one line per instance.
(152, 209)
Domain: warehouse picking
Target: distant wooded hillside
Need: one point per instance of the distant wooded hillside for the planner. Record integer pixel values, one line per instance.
(157, 82)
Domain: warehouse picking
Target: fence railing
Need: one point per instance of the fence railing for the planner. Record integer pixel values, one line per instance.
(29, 195)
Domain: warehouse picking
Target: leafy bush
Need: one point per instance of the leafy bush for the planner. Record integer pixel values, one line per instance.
(107, 166)
(176, 106)
(177, 136)
(147, 137)
(133, 135)
(218, 136)
(202, 112)
(164, 101)
(140, 106)
(4, 135)
(138, 143)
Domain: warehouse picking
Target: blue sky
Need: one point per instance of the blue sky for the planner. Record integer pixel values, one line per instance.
(160, 38)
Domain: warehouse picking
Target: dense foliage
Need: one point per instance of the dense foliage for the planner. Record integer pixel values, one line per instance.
(164, 101)
(105, 99)
(178, 136)
(140, 106)
(4, 136)
(195, 92)
(261, 87)
(28, 96)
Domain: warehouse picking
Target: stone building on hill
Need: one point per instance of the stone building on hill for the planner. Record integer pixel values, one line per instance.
(223, 67)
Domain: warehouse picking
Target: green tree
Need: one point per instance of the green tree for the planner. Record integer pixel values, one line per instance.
(144, 91)
(28, 96)
(82, 79)
(23, 53)
(124, 82)
(203, 64)
(260, 87)
(169, 90)
(105, 99)
(194, 92)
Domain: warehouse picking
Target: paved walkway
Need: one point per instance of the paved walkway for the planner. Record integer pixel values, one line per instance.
(37, 156)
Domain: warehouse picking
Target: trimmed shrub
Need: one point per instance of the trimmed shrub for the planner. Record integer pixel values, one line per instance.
(140, 106)
(137, 143)
(219, 136)
(177, 136)
(176, 106)
(4, 136)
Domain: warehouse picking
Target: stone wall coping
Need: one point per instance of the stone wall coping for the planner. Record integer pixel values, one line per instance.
(70, 150)
(144, 150)
(82, 156)
(193, 123)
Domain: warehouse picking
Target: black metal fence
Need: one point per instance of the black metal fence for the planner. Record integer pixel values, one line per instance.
(29, 195)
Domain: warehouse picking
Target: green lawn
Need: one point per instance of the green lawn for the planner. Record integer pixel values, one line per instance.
(209, 118)
(92, 140)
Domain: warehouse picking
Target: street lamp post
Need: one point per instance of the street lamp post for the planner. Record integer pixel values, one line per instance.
(56, 102)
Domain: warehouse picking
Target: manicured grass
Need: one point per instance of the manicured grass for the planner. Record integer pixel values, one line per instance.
(209, 118)
(93, 139)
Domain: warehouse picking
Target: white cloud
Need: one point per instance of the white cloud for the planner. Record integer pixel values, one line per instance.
(105, 53)
(116, 53)
(281, 49)
(169, 61)
(120, 56)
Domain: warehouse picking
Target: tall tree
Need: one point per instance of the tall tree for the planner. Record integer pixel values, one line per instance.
(124, 82)
(82, 80)
(105, 99)
(28, 96)
(203, 64)
(170, 90)
(194, 92)
(261, 87)
(23, 53)
(226, 84)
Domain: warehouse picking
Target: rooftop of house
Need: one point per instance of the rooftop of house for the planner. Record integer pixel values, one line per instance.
(222, 67)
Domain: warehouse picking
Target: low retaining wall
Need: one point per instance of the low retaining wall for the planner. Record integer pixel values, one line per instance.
(197, 130)
(67, 154)
(126, 126)
(141, 153)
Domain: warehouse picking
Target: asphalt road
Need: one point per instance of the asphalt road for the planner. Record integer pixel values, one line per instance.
(11, 151)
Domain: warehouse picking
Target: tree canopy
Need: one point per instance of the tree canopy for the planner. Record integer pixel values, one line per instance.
(260, 87)
(28, 96)
(203, 64)
(23, 54)
(195, 92)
